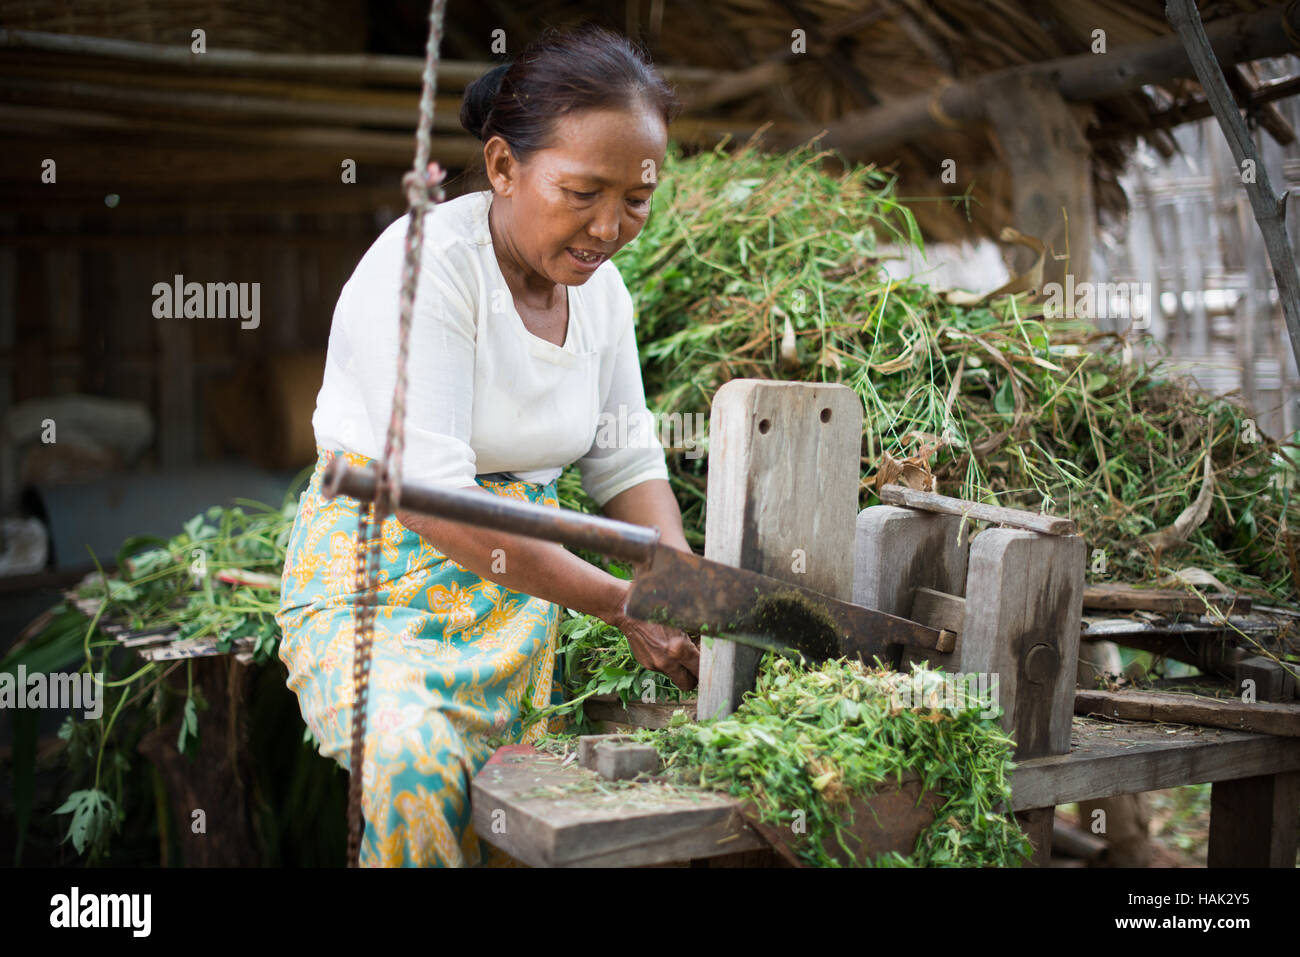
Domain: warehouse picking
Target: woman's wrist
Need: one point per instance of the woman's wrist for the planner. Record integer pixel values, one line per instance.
(611, 603)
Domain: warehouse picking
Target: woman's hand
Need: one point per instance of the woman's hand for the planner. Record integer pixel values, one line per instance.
(662, 649)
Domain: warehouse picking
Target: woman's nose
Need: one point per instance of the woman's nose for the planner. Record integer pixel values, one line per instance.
(604, 225)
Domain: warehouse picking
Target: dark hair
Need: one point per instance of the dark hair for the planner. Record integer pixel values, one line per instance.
(585, 68)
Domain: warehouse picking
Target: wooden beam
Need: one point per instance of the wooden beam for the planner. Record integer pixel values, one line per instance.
(1110, 759)
(333, 67)
(1194, 110)
(1082, 78)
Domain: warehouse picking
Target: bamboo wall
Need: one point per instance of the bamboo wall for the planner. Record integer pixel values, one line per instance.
(76, 315)
(1191, 235)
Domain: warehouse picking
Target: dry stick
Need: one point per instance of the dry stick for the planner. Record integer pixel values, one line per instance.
(1013, 517)
(1269, 208)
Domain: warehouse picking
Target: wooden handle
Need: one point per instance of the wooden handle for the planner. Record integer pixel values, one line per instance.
(633, 543)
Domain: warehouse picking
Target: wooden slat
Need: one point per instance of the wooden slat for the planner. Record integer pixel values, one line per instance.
(1171, 600)
(1260, 716)
(1012, 517)
(637, 714)
(1108, 759)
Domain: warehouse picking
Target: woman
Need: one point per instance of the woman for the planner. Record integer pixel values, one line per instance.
(522, 340)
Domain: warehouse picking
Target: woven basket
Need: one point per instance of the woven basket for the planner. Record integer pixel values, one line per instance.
(302, 26)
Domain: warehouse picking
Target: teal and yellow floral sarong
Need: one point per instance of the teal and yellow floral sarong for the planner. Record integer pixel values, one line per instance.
(453, 657)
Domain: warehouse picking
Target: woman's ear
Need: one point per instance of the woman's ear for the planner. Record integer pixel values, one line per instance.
(502, 170)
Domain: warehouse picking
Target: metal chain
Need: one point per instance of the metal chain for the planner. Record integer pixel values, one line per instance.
(423, 185)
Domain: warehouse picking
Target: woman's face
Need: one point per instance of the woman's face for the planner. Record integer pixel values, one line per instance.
(574, 204)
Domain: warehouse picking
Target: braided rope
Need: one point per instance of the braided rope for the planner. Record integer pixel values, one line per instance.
(423, 186)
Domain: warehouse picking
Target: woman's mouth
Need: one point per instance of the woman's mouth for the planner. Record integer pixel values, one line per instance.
(585, 259)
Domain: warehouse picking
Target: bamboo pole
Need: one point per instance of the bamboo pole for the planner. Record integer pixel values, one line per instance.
(1269, 209)
(336, 67)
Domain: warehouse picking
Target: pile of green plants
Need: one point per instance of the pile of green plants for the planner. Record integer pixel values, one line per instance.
(219, 578)
(771, 266)
(809, 738)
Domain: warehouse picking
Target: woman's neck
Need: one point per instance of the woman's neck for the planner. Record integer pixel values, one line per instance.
(524, 283)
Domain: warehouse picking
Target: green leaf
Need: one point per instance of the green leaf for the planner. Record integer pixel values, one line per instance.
(1004, 402)
(188, 739)
(94, 816)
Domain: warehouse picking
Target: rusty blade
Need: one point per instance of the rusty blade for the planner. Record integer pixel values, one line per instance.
(698, 595)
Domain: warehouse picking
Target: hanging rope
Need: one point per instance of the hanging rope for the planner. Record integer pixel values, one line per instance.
(423, 185)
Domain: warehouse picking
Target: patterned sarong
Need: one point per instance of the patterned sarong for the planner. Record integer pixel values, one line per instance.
(453, 657)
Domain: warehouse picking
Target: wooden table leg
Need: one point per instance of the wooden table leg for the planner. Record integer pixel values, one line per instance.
(1253, 821)
(1037, 825)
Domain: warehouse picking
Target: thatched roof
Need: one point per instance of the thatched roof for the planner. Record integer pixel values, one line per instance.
(279, 121)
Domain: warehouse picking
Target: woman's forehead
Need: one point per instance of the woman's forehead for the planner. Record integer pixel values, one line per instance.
(607, 144)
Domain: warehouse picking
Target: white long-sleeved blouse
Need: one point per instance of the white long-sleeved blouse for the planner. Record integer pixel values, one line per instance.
(485, 395)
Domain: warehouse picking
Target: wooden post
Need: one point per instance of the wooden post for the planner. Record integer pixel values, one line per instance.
(1253, 821)
(1048, 158)
(783, 493)
(900, 550)
(1024, 601)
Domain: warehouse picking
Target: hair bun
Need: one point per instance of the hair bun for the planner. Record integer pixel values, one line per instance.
(479, 96)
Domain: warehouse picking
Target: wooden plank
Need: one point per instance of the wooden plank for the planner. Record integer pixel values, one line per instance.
(637, 714)
(1023, 610)
(1012, 517)
(1170, 600)
(899, 551)
(1108, 759)
(1261, 716)
(1253, 821)
(782, 496)
(525, 803)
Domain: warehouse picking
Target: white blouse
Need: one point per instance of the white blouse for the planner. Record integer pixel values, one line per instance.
(486, 395)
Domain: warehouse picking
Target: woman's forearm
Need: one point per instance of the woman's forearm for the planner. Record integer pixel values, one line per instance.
(651, 503)
(547, 570)
(528, 565)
